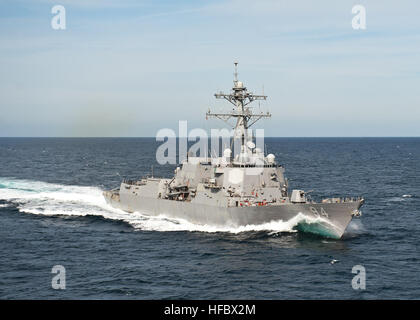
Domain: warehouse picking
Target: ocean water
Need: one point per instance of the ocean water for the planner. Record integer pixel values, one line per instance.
(52, 213)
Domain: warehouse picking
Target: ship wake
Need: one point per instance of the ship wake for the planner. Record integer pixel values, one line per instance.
(41, 198)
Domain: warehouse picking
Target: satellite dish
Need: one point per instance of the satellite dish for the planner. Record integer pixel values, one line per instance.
(250, 145)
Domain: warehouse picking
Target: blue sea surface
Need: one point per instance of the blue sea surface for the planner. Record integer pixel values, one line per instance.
(52, 213)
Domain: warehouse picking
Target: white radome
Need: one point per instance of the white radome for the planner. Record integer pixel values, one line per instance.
(270, 158)
(227, 153)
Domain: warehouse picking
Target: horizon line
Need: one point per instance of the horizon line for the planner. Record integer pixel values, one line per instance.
(152, 137)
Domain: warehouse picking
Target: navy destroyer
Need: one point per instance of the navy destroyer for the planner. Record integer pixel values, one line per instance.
(240, 188)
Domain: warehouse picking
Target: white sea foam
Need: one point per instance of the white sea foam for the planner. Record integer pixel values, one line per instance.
(355, 227)
(404, 197)
(43, 198)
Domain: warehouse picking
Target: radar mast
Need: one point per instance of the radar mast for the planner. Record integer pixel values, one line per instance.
(240, 97)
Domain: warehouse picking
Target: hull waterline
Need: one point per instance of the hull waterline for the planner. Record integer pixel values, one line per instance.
(326, 219)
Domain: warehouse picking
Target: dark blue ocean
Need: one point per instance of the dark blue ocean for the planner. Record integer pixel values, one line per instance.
(52, 213)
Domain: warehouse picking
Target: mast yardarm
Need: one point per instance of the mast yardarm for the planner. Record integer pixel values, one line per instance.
(240, 97)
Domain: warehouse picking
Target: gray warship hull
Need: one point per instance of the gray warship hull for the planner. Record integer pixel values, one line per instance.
(326, 219)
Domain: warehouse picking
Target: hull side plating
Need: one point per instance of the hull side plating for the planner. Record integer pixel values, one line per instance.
(329, 219)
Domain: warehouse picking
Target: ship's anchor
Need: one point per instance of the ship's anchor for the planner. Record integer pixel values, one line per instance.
(356, 213)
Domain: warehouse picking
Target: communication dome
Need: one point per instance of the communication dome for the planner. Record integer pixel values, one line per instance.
(270, 158)
(250, 144)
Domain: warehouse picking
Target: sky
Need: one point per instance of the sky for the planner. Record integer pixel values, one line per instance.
(127, 68)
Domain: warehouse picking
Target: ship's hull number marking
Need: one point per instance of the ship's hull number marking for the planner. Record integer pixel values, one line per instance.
(319, 214)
